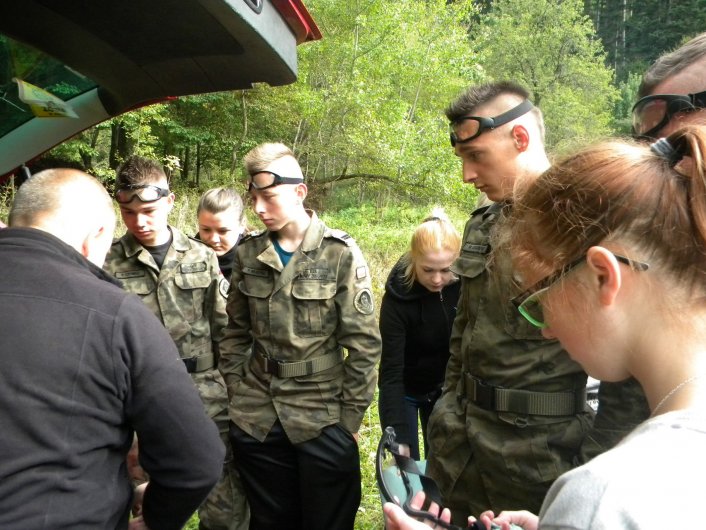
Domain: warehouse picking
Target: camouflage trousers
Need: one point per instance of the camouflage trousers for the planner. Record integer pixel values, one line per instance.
(226, 507)
(484, 459)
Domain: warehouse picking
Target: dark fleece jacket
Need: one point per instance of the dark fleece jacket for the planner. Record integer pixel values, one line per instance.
(415, 325)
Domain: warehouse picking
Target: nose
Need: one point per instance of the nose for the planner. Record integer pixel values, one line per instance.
(469, 172)
(140, 219)
(258, 205)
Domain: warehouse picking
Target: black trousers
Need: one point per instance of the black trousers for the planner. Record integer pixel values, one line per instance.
(306, 486)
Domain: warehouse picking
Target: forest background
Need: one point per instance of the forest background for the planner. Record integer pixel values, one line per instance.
(366, 121)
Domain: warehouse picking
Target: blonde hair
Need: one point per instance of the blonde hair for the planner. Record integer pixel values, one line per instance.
(260, 157)
(435, 233)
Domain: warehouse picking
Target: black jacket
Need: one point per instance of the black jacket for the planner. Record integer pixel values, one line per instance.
(84, 365)
(415, 325)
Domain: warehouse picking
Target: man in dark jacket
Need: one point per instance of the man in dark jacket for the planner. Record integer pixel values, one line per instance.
(85, 366)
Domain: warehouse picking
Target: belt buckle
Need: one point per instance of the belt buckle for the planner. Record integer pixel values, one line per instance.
(270, 365)
(483, 394)
(190, 364)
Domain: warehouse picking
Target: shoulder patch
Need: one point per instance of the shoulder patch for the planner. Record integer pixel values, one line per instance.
(341, 235)
(363, 302)
(223, 287)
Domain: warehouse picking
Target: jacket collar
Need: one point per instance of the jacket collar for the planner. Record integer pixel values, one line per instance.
(33, 237)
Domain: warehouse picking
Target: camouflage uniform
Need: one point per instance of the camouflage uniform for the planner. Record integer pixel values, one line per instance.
(301, 315)
(512, 415)
(188, 296)
(319, 303)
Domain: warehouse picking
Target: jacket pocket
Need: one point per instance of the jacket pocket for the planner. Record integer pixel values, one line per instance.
(192, 288)
(315, 312)
(257, 289)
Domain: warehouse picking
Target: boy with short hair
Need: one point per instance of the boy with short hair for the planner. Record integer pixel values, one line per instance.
(178, 278)
(300, 294)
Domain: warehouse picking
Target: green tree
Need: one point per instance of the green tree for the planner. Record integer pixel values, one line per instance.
(550, 47)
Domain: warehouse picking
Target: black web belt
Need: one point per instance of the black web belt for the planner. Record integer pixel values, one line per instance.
(502, 399)
(280, 368)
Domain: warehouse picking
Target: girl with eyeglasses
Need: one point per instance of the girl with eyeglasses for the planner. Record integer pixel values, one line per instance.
(612, 245)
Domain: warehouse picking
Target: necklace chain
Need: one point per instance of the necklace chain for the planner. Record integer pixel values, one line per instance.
(674, 391)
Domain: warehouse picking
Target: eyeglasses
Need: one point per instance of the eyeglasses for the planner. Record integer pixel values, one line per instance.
(267, 179)
(528, 303)
(466, 128)
(144, 192)
(652, 113)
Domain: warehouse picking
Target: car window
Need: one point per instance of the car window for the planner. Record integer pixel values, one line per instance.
(21, 62)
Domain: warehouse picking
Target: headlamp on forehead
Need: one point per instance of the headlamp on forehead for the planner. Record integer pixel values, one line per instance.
(267, 179)
(651, 113)
(144, 192)
(467, 128)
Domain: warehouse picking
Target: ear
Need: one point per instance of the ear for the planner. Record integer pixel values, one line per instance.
(170, 200)
(301, 191)
(521, 137)
(606, 269)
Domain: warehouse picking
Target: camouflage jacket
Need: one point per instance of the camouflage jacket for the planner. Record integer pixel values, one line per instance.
(492, 342)
(187, 295)
(318, 304)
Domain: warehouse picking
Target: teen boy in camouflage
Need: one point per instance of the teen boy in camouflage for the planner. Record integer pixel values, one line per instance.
(179, 280)
(300, 294)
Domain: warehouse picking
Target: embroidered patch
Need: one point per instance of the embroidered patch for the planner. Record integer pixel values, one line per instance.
(188, 268)
(223, 287)
(361, 272)
(262, 273)
(129, 274)
(363, 302)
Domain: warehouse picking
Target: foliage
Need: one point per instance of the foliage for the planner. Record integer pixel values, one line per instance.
(549, 46)
(636, 32)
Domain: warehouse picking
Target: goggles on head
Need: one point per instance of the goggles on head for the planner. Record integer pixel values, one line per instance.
(144, 192)
(651, 113)
(267, 179)
(467, 128)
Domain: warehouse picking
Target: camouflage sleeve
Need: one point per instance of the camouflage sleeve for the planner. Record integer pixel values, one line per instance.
(236, 341)
(622, 406)
(455, 364)
(358, 333)
(215, 302)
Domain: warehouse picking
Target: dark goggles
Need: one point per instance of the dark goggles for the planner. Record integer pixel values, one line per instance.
(466, 128)
(404, 469)
(268, 179)
(144, 192)
(651, 113)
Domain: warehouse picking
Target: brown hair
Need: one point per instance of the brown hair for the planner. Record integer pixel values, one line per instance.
(139, 170)
(477, 95)
(672, 63)
(217, 200)
(435, 233)
(619, 191)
